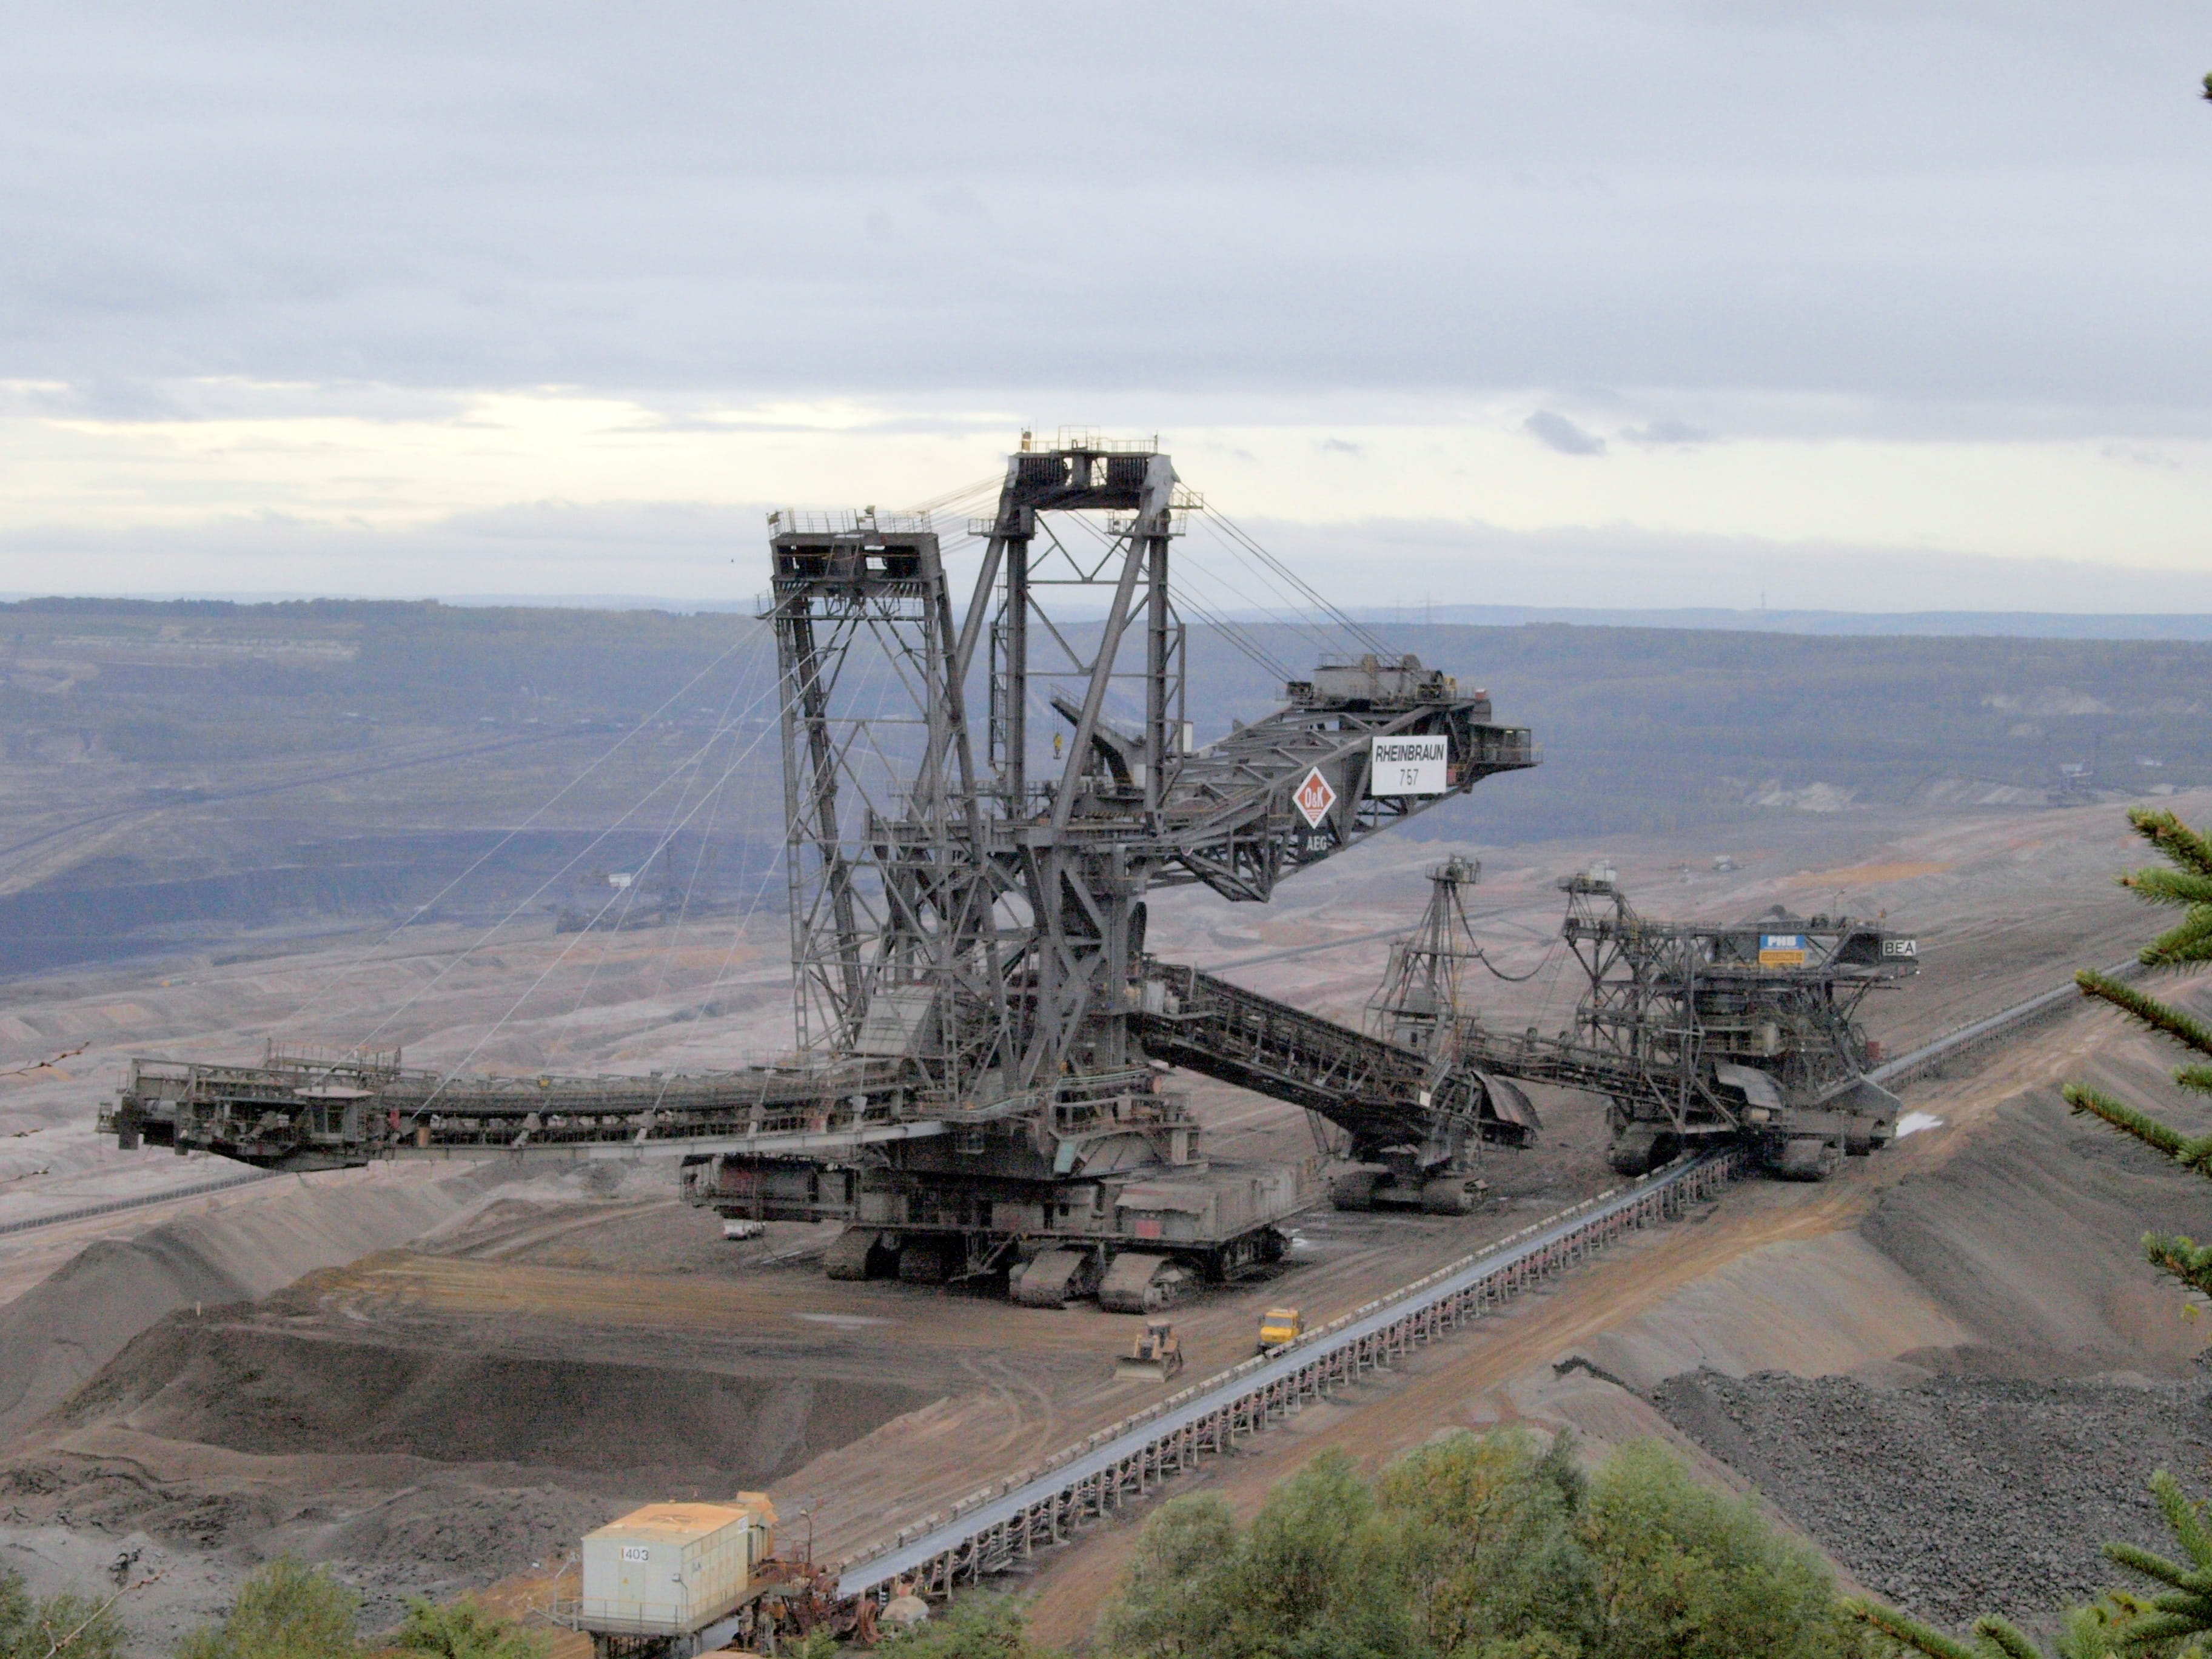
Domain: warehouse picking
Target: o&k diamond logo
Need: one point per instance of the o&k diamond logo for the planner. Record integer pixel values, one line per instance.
(1314, 798)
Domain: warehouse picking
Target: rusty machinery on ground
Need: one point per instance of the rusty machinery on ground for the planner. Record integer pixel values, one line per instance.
(983, 1038)
(1694, 1032)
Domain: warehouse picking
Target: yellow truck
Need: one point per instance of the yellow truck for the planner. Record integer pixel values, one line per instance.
(1278, 1326)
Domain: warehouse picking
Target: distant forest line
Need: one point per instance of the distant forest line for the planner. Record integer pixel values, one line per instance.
(1643, 729)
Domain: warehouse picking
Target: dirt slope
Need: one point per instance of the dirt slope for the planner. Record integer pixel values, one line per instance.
(63, 1330)
(441, 1399)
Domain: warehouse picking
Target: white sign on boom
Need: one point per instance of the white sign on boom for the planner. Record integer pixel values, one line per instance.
(1409, 766)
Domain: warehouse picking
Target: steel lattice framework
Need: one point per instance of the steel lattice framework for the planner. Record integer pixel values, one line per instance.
(981, 913)
(1695, 1030)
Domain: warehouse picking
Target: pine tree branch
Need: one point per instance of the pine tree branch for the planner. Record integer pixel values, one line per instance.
(2188, 943)
(2136, 1559)
(2188, 885)
(2186, 1521)
(1922, 1638)
(2006, 1637)
(2144, 1127)
(2160, 1627)
(2175, 840)
(2190, 1033)
(2183, 889)
(2170, 1253)
(2185, 1609)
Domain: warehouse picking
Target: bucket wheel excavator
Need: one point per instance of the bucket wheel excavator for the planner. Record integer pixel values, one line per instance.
(980, 791)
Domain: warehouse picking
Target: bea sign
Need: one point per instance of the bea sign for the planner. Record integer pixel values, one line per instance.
(1409, 766)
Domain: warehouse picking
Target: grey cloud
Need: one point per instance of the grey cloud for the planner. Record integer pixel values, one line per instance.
(1666, 430)
(2136, 456)
(1556, 431)
(134, 399)
(681, 197)
(1383, 561)
(107, 398)
(1340, 447)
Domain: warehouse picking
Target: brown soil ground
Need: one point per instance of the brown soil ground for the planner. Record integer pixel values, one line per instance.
(439, 1379)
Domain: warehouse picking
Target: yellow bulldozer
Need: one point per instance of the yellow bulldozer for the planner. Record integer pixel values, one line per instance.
(1156, 1353)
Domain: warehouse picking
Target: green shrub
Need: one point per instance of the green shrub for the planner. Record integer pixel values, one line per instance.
(974, 1627)
(284, 1611)
(1492, 1546)
(1177, 1594)
(63, 1626)
(1489, 1528)
(1683, 1570)
(465, 1630)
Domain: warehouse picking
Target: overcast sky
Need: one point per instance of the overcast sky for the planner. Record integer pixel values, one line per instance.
(1876, 307)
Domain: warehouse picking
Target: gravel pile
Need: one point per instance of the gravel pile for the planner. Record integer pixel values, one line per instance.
(1960, 1495)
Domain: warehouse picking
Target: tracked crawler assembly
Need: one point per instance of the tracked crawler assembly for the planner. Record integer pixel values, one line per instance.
(979, 793)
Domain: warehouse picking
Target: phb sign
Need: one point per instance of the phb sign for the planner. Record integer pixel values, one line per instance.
(1782, 950)
(1409, 766)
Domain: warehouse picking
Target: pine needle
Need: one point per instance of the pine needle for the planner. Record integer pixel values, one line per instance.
(2175, 840)
(2170, 1253)
(2158, 1016)
(1924, 1639)
(2143, 1126)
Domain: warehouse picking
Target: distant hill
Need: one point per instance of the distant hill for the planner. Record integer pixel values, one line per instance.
(2009, 625)
(159, 761)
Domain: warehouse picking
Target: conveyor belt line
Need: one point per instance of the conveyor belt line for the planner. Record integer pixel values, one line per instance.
(991, 1528)
(83, 1211)
(988, 1531)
